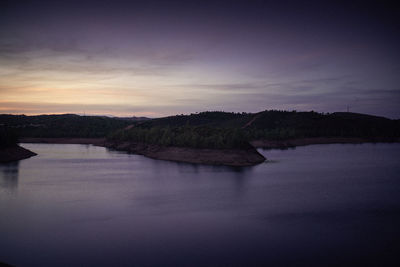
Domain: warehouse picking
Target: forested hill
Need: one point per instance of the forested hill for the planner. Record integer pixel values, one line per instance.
(215, 119)
(235, 130)
(66, 125)
(273, 124)
(215, 129)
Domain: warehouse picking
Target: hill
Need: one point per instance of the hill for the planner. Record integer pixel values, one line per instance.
(269, 124)
(210, 137)
(65, 125)
(207, 129)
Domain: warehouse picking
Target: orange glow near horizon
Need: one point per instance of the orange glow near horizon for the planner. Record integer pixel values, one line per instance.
(103, 89)
(140, 62)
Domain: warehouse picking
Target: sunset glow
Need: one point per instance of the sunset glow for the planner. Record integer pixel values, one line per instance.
(130, 59)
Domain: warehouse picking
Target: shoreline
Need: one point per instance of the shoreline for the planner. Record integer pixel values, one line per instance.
(226, 157)
(63, 140)
(290, 143)
(14, 153)
(261, 143)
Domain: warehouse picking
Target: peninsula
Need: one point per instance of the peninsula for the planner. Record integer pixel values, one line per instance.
(9, 149)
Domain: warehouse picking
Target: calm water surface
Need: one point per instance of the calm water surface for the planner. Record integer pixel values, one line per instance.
(80, 205)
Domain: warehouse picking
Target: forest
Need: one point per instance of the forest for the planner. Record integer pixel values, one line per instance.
(66, 125)
(185, 136)
(214, 129)
(210, 129)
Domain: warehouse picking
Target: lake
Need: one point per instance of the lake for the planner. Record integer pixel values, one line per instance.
(321, 205)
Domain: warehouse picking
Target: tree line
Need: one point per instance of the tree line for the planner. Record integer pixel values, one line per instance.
(67, 125)
(184, 136)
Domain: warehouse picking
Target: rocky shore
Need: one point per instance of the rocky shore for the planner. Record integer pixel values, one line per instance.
(14, 153)
(228, 157)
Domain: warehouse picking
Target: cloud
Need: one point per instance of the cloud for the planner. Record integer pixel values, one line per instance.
(154, 62)
(228, 87)
(26, 56)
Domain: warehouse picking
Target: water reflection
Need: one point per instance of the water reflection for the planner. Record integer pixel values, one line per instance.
(9, 176)
(241, 176)
(109, 208)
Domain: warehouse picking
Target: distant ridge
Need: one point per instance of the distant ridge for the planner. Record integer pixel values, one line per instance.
(275, 124)
(268, 124)
(228, 138)
(64, 125)
(228, 130)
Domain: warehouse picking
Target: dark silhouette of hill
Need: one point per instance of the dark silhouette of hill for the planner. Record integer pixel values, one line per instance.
(217, 119)
(227, 130)
(210, 137)
(274, 124)
(65, 125)
(284, 125)
(184, 136)
(208, 129)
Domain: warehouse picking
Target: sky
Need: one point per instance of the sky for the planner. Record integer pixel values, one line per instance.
(159, 58)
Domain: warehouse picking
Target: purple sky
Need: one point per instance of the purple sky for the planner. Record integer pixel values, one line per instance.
(167, 57)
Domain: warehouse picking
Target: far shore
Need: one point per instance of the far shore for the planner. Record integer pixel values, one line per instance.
(63, 140)
(268, 144)
(282, 144)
